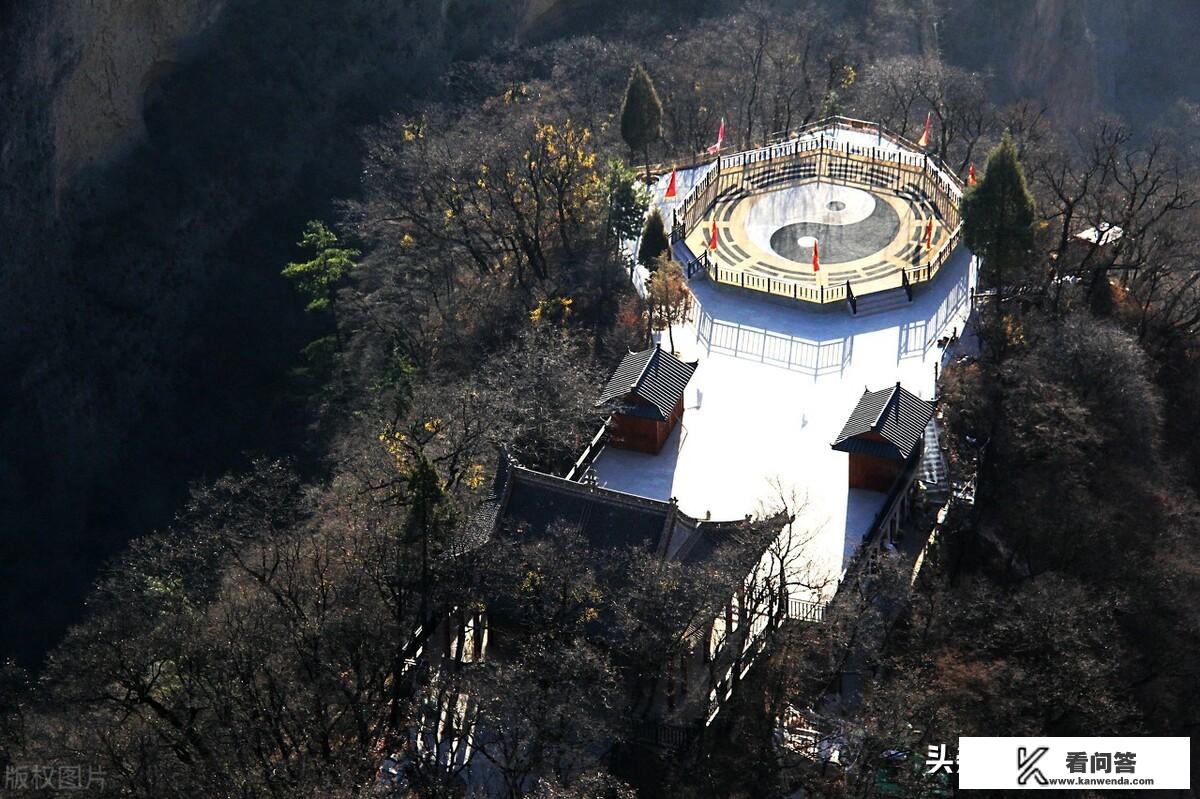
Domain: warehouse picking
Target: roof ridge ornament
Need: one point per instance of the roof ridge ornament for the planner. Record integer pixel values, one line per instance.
(893, 400)
(645, 367)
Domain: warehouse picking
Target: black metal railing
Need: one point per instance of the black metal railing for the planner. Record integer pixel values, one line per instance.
(871, 167)
(928, 271)
(672, 736)
(899, 488)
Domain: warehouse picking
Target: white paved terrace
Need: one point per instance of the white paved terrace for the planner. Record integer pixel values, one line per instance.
(775, 384)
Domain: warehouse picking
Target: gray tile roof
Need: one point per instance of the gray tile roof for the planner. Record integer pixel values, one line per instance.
(533, 501)
(606, 519)
(529, 503)
(654, 376)
(895, 414)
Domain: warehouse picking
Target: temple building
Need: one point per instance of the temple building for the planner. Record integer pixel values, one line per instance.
(767, 492)
(645, 397)
(750, 593)
(884, 437)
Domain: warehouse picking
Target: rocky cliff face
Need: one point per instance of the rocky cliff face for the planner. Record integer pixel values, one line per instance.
(1080, 57)
(1055, 58)
(116, 51)
(89, 65)
(157, 159)
(76, 73)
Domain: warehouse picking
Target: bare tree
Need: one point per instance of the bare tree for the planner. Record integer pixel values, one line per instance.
(669, 298)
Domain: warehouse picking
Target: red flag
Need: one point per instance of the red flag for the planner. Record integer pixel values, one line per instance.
(971, 176)
(816, 258)
(671, 185)
(716, 148)
(712, 245)
(924, 140)
(928, 233)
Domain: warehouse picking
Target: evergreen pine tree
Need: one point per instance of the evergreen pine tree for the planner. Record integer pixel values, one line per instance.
(628, 200)
(998, 217)
(319, 277)
(654, 240)
(641, 114)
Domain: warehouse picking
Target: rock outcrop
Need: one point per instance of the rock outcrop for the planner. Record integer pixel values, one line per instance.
(117, 50)
(156, 161)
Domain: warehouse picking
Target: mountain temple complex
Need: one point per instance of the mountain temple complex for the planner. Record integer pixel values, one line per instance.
(820, 264)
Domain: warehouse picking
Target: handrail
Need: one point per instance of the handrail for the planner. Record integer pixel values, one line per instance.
(590, 452)
(901, 170)
(838, 122)
(895, 493)
(672, 736)
(794, 142)
(806, 610)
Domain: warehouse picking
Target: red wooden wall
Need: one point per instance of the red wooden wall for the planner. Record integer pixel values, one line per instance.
(644, 435)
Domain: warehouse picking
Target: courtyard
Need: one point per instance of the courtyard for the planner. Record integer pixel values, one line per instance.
(775, 383)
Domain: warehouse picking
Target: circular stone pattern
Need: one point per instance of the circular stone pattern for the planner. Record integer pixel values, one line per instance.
(839, 243)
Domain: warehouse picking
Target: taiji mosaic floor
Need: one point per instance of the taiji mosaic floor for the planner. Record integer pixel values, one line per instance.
(865, 237)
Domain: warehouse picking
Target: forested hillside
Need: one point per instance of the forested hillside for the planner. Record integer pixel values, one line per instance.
(157, 162)
(294, 482)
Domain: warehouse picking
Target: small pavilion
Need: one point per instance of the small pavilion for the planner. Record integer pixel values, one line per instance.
(884, 437)
(645, 398)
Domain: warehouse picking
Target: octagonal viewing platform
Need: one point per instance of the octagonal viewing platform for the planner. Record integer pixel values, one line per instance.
(882, 213)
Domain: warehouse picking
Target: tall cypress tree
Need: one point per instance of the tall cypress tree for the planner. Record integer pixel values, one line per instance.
(998, 216)
(641, 114)
(628, 199)
(654, 240)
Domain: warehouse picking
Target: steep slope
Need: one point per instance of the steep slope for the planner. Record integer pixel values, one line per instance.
(1080, 57)
(160, 159)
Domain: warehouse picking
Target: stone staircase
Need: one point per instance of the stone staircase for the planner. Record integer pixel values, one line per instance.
(882, 301)
(932, 470)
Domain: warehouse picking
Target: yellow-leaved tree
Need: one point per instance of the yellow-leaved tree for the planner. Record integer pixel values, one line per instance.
(669, 298)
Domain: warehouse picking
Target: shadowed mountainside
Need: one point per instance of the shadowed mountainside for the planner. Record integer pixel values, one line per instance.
(156, 173)
(160, 159)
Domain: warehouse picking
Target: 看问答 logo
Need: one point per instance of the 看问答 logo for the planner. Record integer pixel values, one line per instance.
(1027, 765)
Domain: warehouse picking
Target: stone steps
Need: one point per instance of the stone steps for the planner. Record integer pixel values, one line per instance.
(882, 301)
(933, 466)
